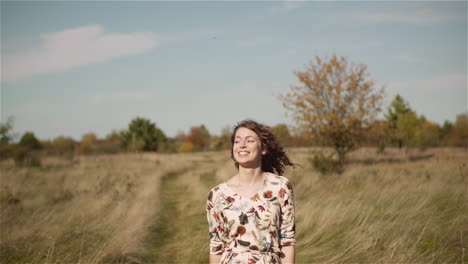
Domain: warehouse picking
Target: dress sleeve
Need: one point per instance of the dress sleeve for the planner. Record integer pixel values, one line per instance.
(215, 227)
(288, 226)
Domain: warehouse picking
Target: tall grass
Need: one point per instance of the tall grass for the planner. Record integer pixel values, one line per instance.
(393, 207)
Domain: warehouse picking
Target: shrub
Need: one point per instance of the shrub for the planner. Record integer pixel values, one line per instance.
(186, 147)
(326, 164)
(6, 151)
(26, 157)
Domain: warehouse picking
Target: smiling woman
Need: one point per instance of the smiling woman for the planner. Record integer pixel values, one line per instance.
(251, 216)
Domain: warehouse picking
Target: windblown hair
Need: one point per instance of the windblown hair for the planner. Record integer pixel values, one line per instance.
(275, 159)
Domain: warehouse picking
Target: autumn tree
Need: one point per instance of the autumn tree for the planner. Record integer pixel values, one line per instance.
(142, 135)
(63, 146)
(335, 102)
(377, 135)
(88, 144)
(199, 137)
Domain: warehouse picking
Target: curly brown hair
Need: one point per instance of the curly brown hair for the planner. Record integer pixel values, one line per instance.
(275, 158)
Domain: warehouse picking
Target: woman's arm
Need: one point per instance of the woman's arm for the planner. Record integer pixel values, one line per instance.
(289, 255)
(215, 259)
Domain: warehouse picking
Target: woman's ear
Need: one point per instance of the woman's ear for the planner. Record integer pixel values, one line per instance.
(264, 152)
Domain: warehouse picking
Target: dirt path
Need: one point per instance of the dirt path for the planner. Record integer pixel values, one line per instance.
(180, 234)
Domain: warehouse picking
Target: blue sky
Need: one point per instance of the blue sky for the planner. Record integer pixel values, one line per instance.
(68, 68)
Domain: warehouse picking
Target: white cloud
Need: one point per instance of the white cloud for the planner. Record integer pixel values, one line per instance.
(74, 47)
(420, 17)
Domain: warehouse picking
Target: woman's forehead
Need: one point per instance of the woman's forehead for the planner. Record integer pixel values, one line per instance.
(245, 132)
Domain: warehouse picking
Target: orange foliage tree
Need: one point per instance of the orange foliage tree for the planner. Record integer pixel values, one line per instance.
(199, 137)
(335, 103)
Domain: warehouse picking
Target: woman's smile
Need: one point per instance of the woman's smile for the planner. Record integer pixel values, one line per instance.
(247, 147)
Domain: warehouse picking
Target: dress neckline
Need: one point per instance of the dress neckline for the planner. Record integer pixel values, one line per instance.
(260, 188)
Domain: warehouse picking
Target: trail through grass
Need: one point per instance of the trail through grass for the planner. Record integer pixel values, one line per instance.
(180, 234)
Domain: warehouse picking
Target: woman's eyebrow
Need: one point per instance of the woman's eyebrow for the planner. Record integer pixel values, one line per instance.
(245, 137)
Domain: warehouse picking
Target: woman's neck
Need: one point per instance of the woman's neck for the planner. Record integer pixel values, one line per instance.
(249, 176)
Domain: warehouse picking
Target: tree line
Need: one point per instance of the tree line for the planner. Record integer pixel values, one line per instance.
(335, 104)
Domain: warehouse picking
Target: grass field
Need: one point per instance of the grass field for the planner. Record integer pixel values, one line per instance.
(150, 208)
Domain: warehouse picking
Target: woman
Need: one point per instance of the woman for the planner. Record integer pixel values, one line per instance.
(251, 215)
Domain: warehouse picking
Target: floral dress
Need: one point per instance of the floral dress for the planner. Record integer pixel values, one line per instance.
(252, 230)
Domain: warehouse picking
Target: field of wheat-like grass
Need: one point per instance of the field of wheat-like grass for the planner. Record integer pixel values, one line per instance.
(395, 207)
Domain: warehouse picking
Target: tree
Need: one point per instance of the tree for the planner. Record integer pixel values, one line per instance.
(88, 144)
(29, 141)
(459, 137)
(427, 134)
(406, 129)
(446, 132)
(335, 103)
(399, 109)
(63, 146)
(199, 137)
(5, 129)
(142, 135)
(377, 135)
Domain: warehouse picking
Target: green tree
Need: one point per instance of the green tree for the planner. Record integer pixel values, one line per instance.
(335, 102)
(29, 141)
(142, 135)
(406, 128)
(111, 143)
(5, 131)
(446, 132)
(399, 109)
(427, 134)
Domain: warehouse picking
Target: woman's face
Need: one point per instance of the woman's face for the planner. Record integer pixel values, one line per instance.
(247, 148)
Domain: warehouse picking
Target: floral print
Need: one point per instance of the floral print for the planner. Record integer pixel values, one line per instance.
(252, 230)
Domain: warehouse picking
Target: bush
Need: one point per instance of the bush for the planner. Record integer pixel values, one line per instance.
(6, 151)
(326, 164)
(26, 157)
(186, 147)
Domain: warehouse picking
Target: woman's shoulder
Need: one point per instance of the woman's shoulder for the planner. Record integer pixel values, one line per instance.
(215, 191)
(278, 180)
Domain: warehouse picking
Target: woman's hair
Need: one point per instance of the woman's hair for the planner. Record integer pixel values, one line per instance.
(275, 157)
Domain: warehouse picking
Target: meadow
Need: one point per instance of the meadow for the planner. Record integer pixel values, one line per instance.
(394, 207)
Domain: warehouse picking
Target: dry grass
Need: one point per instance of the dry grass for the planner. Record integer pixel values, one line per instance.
(150, 208)
(93, 209)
